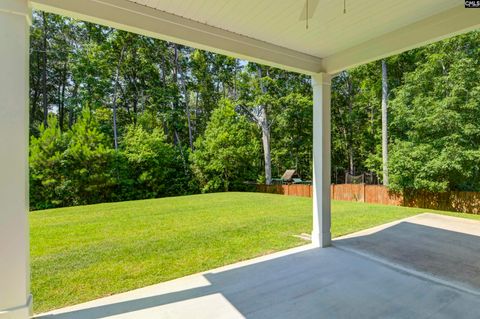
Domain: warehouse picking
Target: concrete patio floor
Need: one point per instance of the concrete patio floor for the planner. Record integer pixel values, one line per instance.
(427, 266)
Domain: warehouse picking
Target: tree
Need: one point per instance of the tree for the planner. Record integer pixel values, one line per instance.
(45, 162)
(163, 97)
(71, 168)
(292, 135)
(89, 175)
(153, 164)
(356, 120)
(226, 156)
(385, 122)
(115, 93)
(435, 120)
(256, 101)
(45, 68)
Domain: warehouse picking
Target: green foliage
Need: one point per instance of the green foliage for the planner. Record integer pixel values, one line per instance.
(165, 96)
(79, 166)
(70, 168)
(356, 114)
(356, 118)
(87, 163)
(435, 120)
(225, 156)
(153, 165)
(292, 142)
(46, 160)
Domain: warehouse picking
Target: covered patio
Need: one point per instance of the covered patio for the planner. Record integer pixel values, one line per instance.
(318, 38)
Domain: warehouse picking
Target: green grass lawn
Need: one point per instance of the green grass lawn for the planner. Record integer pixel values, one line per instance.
(86, 252)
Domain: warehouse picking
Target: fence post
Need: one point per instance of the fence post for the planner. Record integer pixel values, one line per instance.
(363, 185)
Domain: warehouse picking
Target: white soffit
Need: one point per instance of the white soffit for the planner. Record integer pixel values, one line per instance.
(273, 31)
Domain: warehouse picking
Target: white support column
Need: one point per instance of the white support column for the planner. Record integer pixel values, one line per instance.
(321, 84)
(15, 299)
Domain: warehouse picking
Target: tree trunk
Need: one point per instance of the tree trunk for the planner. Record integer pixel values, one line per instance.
(71, 107)
(350, 159)
(196, 112)
(142, 98)
(266, 148)
(350, 132)
(385, 122)
(117, 75)
(36, 90)
(61, 106)
(44, 72)
(176, 139)
(164, 85)
(189, 122)
(262, 121)
(187, 107)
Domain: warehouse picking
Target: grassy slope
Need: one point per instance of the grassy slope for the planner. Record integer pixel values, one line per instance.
(82, 253)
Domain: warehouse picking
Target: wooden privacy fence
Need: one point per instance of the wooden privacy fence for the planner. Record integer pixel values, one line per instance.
(466, 202)
(289, 189)
(375, 194)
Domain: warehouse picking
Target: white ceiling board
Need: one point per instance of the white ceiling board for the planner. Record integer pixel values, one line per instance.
(271, 31)
(330, 30)
(132, 17)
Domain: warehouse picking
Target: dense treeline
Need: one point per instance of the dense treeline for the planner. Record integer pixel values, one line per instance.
(117, 116)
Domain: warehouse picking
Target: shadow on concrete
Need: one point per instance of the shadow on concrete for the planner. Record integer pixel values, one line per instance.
(449, 255)
(334, 283)
(265, 285)
(249, 288)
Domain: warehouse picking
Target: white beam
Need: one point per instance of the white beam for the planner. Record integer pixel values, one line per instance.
(132, 17)
(435, 28)
(15, 299)
(321, 85)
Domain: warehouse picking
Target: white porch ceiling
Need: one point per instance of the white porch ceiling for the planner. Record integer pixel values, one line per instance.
(330, 30)
(272, 31)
